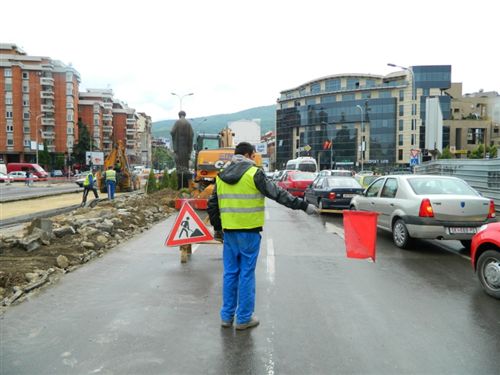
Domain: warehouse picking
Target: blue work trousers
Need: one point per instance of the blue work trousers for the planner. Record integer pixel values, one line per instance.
(240, 253)
(111, 189)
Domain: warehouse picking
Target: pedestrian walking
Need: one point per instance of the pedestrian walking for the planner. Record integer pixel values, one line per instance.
(88, 185)
(27, 179)
(237, 208)
(110, 177)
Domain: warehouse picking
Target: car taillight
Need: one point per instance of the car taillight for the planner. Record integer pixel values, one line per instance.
(332, 196)
(491, 214)
(426, 209)
(203, 173)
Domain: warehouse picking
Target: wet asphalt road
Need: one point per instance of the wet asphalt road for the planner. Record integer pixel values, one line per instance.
(139, 311)
(17, 190)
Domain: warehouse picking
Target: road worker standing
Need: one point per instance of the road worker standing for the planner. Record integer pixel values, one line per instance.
(110, 177)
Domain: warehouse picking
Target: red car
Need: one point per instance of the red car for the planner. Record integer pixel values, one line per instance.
(485, 257)
(296, 182)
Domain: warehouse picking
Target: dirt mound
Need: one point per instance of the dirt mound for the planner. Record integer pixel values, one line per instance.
(48, 248)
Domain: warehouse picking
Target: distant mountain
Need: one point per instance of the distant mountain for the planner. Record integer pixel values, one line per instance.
(215, 123)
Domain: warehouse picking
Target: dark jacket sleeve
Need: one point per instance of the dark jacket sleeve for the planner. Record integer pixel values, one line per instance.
(213, 210)
(274, 192)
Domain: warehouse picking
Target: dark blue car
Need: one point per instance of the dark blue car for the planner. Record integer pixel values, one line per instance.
(332, 192)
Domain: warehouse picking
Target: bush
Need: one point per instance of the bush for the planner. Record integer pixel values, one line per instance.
(151, 184)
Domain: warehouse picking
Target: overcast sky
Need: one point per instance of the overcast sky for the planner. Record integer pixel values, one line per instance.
(234, 55)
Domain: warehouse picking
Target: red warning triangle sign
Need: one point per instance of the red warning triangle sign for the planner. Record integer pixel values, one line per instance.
(188, 228)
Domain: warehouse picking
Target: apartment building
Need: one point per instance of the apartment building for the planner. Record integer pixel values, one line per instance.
(38, 102)
(374, 121)
(96, 113)
(474, 120)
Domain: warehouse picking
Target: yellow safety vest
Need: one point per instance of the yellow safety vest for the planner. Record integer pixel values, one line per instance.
(111, 175)
(241, 205)
(87, 180)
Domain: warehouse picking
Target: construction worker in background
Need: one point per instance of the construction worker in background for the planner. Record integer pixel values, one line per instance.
(110, 177)
(88, 185)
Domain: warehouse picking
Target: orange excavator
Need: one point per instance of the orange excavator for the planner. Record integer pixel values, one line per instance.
(125, 179)
(213, 152)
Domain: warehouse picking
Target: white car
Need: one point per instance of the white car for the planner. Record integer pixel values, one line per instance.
(427, 207)
(5, 178)
(21, 176)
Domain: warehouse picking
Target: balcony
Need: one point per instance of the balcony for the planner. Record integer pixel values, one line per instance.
(47, 108)
(130, 142)
(48, 121)
(70, 105)
(131, 121)
(46, 81)
(107, 129)
(47, 94)
(48, 135)
(51, 148)
(108, 105)
(107, 117)
(130, 131)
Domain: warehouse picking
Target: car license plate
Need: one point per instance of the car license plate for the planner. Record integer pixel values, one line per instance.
(348, 195)
(462, 230)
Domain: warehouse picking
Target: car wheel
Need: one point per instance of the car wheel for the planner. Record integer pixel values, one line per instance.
(466, 244)
(488, 272)
(400, 234)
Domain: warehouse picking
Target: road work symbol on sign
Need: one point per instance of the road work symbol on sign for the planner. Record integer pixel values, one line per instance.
(188, 228)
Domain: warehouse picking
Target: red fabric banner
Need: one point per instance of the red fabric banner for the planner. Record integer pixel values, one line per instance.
(360, 232)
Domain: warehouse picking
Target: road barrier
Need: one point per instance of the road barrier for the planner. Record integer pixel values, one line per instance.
(482, 174)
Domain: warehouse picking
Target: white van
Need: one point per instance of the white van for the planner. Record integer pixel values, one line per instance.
(303, 163)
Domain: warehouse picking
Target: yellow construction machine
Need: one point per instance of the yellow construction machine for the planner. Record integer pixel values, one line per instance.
(213, 152)
(125, 179)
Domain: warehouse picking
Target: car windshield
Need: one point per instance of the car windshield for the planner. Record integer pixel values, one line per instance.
(301, 176)
(423, 186)
(307, 167)
(367, 180)
(348, 182)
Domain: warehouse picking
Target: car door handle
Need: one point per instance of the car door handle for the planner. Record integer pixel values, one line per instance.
(372, 202)
(392, 204)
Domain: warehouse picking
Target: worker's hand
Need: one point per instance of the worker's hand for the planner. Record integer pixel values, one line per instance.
(312, 210)
(218, 236)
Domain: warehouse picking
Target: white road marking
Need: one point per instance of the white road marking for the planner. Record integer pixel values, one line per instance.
(270, 261)
(267, 215)
(332, 228)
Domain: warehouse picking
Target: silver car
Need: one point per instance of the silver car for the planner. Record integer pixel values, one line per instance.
(429, 207)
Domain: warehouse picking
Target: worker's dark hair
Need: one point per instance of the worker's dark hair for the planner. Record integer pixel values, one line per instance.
(244, 148)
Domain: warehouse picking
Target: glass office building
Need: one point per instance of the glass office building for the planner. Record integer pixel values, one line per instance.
(371, 121)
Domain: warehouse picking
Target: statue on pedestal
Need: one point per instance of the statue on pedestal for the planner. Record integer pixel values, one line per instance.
(182, 142)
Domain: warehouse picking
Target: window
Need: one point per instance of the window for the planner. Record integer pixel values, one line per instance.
(401, 110)
(315, 88)
(413, 139)
(26, 102)
(366, 95)
(346, 97)
(384, 94)
(401, 125)
(413, 124)
(374, 188)
(26, 88)
(26, 75)
(400, 139)
(352, 83)
(332, 85)
(8, 114)
(7, 73)
(390, 188)
(69, 76)
(328, 99)
(8, 101)
(401, 95)
(96, 121)
(69, 117)
(400, 154)
(10, 142)
(8, 84)
(413, 109)
(27, 143)
(10, 127)
(26, 115)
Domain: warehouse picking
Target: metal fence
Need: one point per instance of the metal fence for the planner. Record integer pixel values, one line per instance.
(482, 174)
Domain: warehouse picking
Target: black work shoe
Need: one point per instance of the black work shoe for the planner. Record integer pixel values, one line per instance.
(226, 323)
(254, 322)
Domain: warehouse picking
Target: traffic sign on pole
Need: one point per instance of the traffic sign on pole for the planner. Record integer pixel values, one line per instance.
(188, 228)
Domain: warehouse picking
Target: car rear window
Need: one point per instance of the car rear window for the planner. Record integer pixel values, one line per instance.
(307, 167)
(423, 186)
(348, 182)
(301, 176)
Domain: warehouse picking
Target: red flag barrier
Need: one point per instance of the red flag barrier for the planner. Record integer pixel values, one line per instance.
(360, 232)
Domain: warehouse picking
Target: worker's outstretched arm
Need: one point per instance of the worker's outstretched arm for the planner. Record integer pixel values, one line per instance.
(274, 192)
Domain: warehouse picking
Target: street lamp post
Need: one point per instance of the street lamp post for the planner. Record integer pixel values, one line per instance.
(181, 97)
(36, 134)
(362, 138)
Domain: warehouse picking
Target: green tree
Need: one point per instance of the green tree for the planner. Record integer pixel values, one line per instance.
(493, 151)
(162, 158)
(44, 157)
(59, 162)
(152, 183)
(478, 152)
(165, 180)
(173, 181)
(446, 154)
(83, 144)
